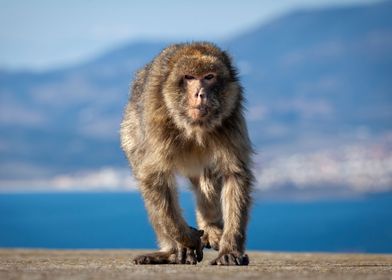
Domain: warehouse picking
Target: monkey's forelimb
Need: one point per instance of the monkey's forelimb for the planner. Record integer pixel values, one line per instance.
(235, 207)
(207, 189)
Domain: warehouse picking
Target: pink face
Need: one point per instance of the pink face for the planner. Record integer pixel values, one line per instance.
(198, 88)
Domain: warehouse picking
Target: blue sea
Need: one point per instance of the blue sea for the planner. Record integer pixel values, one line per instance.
(119, 220)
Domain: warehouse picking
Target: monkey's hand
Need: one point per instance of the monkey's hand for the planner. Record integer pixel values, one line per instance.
(190, 248)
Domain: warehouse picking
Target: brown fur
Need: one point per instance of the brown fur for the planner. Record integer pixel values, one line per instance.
(162, 135)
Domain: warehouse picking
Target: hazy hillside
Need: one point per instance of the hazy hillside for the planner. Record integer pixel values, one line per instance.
(319, 91)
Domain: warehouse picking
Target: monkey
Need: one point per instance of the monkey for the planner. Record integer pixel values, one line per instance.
(185, 116)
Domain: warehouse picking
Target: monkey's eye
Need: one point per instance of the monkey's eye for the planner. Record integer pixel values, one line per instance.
(188, 77)
(209, 77)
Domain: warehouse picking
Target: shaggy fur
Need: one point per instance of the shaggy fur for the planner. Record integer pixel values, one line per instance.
(160, 139)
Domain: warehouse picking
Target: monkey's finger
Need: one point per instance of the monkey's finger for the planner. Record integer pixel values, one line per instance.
(232, 260)
(172, 259)
(181, 255)
(191, 258)
(199, 252)
(225, 259)
(244, 260)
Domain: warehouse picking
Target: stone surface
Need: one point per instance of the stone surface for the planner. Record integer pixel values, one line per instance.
(117, 264)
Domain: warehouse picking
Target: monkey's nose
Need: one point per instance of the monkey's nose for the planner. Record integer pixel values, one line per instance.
(201, 94)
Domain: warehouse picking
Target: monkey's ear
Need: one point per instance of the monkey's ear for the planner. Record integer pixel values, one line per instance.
(228, 61)
(226, 58)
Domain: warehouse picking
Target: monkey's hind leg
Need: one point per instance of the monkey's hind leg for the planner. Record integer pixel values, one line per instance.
(207, 189)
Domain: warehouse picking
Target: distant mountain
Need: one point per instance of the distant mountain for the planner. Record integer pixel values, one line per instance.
(315, 80)
(67, 119)
(327, 69)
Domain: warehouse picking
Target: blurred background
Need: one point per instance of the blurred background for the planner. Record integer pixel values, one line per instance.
(318, 84)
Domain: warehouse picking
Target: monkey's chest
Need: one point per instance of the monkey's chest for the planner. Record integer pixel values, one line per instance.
(191, 164)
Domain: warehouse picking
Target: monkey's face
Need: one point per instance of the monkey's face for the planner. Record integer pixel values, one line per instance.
(200, 91)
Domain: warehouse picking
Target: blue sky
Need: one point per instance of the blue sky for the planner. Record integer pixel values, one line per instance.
(44, 34)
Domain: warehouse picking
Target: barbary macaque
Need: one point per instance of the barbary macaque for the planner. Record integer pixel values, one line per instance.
(185, 116)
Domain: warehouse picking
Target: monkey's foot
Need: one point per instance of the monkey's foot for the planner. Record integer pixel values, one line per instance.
(156, 258)
(233, 258)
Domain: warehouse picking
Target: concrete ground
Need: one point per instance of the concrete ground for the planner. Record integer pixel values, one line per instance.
(117, 264)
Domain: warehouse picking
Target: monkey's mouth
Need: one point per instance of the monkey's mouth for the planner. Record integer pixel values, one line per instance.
(198, 113)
